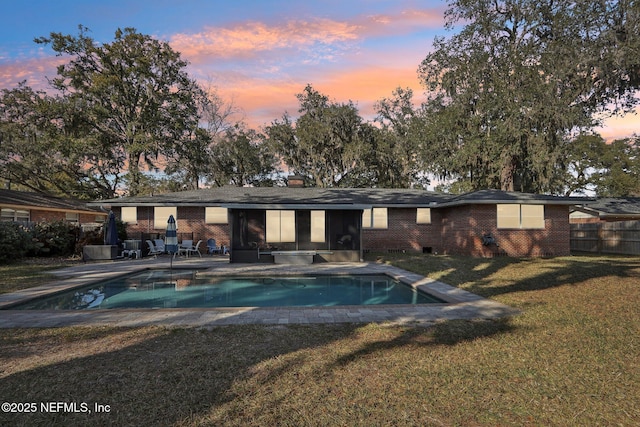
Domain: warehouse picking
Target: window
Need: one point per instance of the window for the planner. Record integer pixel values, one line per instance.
(317, 226)
(14, 215)
(532, 216)
(281, 226)
(520, 216)
(72, 216)
(423, 216)
(375, 218)
(216, 215)
(161, 216)
(129, 214)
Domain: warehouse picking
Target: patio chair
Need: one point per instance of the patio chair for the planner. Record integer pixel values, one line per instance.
(184, 247)
(159, 243)
(152, 249)
(195, 249)
(212, 247)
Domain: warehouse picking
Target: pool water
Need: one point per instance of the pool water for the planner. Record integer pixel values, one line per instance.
(186, 289)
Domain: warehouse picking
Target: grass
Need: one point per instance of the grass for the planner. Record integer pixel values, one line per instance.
(571, 359)
(30, 272)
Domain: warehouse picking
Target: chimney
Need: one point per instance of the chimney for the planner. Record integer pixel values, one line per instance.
(295, 181)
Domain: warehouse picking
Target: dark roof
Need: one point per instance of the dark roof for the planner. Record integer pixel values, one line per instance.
(611, 207)
(331, 198)
(283, 196)
(506, 197)
(25, 199)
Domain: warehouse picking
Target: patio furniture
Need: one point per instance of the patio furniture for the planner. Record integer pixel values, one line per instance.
(183, 248)
(212, 247)
(160, 245)
(152, 249)
(195, 249)
(132, 249)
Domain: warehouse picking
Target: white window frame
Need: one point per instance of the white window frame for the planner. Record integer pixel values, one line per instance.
(280, 226)
(72, 216)
(375, 218)
(216, 215)
(318, 231)
(161, 216)
(129, 214)
(518, 216)
(14, 217)
(423, 215)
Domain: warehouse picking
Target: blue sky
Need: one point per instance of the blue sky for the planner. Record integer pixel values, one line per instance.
(258, 54)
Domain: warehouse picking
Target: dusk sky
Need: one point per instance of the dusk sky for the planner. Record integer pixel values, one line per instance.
(258, 54)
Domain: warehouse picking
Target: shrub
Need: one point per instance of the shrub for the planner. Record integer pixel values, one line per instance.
(57, 238)
(15, 241)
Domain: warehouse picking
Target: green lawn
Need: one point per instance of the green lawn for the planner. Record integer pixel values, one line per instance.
(30, 272)
(571, 359)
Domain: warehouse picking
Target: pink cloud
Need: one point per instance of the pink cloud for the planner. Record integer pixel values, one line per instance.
(620, 127)
(402, 22)
(34, 70)
(264, 100)
(261, 67)
(327, 37)
(248, 40)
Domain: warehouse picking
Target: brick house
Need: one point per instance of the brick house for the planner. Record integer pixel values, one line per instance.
(23, 206)
(339, 224)
(607, 210)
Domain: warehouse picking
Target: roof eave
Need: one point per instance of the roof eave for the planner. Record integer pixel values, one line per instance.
(508, 202)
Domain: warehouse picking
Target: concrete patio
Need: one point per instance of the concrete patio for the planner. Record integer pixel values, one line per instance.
(460, 304)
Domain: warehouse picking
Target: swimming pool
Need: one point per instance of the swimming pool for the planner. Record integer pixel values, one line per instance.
(185, 289)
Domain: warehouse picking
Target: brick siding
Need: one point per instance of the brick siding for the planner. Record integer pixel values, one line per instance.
(37, 215)
(459, 230)
(455, 230)
(191, 220)
(403, 233)
(463, 227)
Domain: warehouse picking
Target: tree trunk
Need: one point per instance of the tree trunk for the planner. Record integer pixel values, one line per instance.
(506, 175)
(134, 174)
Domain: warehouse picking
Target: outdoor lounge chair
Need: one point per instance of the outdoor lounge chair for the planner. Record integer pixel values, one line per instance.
(195, 249)
(212, 247)
(160, 245)
(152, 249)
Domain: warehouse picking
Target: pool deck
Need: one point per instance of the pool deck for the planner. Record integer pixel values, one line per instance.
(460, 304)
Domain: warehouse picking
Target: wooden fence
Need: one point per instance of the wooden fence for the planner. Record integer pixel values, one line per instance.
(621, 237)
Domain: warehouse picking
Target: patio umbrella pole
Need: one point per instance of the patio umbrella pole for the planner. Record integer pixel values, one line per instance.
(171, 240)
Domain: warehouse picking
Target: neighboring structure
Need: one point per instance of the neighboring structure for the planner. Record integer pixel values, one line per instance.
(609, 225)
(23, 206)
(338, 224)
(607, 210)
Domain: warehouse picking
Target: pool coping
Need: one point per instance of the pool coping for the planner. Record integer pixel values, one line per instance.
(460, 304)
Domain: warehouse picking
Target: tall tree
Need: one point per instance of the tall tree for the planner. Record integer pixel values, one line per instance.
(324, 142)
(41, 147)
(399, 141)
(618, 173)
(242, 158)
(512, 86)
(608, 169)
(191, 162)
(134, 93)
